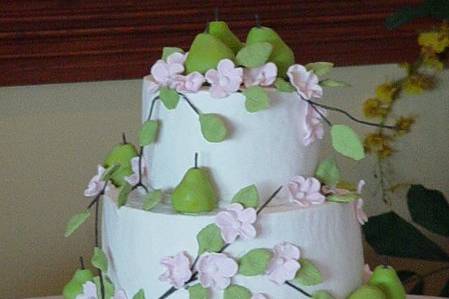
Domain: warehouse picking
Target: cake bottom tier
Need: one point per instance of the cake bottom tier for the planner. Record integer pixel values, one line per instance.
(328, 235)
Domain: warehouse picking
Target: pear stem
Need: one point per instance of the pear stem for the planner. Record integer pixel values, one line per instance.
(258, 25)
(216, 14)
(82, 263)
(196, 160)
(124, 138)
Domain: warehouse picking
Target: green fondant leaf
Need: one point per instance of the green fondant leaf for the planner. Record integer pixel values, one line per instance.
(308, 274)
(75, 222)
(109, 288)
(169, 97)
(213, 127)
(152, 199)
(109, 172)
(284, 86)
(209, 239)
(123, 195)
(322, 295)
(99, 260)
(140, 294)
(167, 51)
(257, 99)
(328, 172)
(320, 68)
(429, 209)
(388, 234)
(248, 197)
(254, 55)
(148, 132)
(198, 292)
(343, 198)
(255, 262)
(333, 83)
(347, 142)
(235, 291)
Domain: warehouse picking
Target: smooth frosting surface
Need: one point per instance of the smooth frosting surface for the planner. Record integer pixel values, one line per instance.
(329, 235)
(264, 148)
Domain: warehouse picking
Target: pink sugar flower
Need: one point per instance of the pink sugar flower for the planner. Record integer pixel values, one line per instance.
(190, 83)
(312, 125)
(236, 221)
(305, 82)
(225, 80)
(305, 191)
(264, 75)
(360, 214)
(367, 273)
(90, 292)
(164, 72)
(177, 269)
(215, 270)
(96, 184)
(284, 263)
(133, 179)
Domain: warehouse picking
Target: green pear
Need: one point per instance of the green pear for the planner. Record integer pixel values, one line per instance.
(205, 53)
(75, 286)
(221, 30)
(121, 154)
(385, 278)
(281, 55)
(367, 292)
(195, 193)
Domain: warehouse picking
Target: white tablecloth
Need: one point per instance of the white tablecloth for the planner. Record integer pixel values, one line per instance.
(408, 297)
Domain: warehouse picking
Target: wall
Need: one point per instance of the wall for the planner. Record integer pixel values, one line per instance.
(52, 136)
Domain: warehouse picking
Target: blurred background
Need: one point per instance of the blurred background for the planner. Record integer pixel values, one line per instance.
(70, 75)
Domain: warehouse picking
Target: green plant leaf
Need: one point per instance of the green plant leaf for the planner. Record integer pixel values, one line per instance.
(333, 83)
(169, 97)
(283, 86)
(152, 199)
(257, 99)
(322, 295)
(344, 198)
(308, 274)
(209, 239)
(123, 195)
(140, 294)
(255, 262)
(254, 55)
(235, 291)
(75, 222)
(347, 142)
(148, 132)
(388, 234)
(320, 68)
(247, 197)
(445, 290)
(167, 51)
(99, 260)
(429, 209)
(109, 172)
(198, 292)
(109, 288)
(213, 127)
(328, 172)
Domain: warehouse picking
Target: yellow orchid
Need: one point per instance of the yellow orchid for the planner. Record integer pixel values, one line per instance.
(373, 108)
(386, 92)
(417, 83)
(403, 124)
(436, 40)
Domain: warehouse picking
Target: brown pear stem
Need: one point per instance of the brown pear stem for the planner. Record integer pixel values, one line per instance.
(216, 14)
(124, 138)
(82, 263)
(196, 160)
(256, 16)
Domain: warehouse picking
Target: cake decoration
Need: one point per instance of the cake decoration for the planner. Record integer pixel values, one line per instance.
(221, 66)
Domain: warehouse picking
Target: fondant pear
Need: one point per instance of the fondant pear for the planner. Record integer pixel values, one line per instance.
(121, 154)
(281, 55)
(75, 286)
(221, 30)
(368, 292)
(195, 193)
(205, 53)
(385, 278)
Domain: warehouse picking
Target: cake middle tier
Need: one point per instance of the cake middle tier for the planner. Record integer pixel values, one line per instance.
(264, 148)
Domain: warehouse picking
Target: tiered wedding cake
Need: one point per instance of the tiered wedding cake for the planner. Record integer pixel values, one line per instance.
(226, 198)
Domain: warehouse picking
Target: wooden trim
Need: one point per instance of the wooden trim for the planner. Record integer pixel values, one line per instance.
(68, 41)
